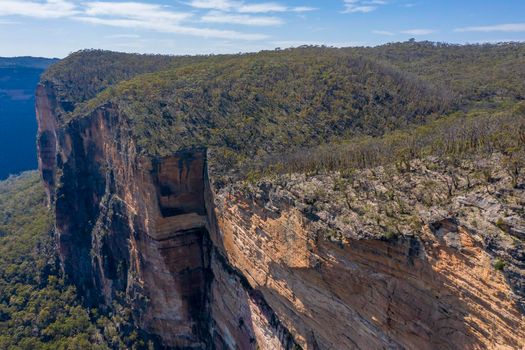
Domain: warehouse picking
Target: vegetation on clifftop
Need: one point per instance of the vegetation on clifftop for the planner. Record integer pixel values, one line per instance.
(254, 105)
(83, 74)
(251, 107)
(454, 137)
(479, 73)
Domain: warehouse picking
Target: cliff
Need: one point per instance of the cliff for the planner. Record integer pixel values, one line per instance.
(379, 259)
(134, 230)
(345, 268)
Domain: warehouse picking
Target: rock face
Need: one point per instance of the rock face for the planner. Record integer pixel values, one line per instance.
(134, 230)
(411, 293)
(206, 267)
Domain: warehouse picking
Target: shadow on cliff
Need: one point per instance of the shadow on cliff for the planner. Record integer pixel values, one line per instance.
(241, 316)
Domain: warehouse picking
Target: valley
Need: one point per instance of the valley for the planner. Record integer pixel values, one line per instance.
(18, 79)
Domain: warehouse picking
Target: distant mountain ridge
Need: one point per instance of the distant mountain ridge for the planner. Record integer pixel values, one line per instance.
(27, 61)
(18, 79)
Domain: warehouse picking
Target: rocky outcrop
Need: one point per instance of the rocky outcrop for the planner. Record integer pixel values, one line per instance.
(206, 266)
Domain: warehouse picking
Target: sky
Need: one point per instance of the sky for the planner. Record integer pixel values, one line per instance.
(55, 28)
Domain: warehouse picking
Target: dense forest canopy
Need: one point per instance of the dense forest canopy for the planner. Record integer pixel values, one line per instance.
(270, 102)
(37, 311)
(83, 74)
(472, 72)
(251, 106)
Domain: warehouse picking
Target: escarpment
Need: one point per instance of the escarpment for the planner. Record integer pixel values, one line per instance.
(369, 260)
(133, 229)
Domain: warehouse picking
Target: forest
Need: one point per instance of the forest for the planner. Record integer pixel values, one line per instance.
(251, 108)
(454, 137)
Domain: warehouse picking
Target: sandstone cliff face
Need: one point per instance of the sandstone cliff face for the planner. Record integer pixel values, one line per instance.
(413, 292)
(229, 268)
(133, 230)
(121, 233)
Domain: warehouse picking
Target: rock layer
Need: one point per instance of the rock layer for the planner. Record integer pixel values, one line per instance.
(409, 293)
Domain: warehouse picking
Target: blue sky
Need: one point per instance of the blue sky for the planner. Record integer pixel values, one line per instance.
(54, 28)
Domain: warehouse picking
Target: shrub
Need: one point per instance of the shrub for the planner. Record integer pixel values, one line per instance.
(500, 223)
(390, 235)
(499, 264)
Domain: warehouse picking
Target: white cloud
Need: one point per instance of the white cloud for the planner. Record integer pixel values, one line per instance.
(419, 31)
(154, 17)
(221, 17)
(383, 32)
(45, 9)
(363, 6)
(303, 9)
(223, 5)
(157, 17)
(244, 7)
(244, 13)
(134, 10)
(262, 8)
(507, 27)
(167, 27)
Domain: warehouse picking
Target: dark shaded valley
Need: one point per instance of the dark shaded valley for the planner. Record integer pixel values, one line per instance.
(18, 78)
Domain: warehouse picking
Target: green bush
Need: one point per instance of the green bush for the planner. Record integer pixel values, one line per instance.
(500, 223)
(390, 235)
(499, 264)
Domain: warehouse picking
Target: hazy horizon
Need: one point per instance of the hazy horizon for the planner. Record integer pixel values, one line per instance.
(55, 28)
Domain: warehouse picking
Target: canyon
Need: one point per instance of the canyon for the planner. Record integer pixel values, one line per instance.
(204, 264)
